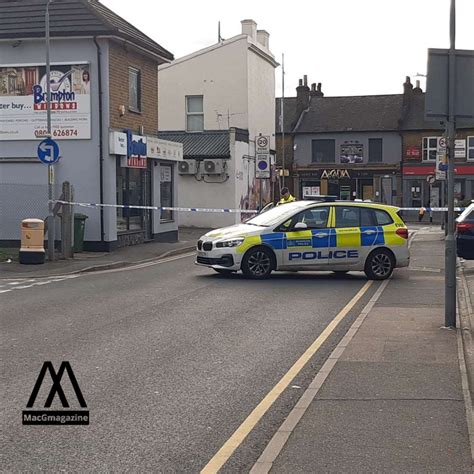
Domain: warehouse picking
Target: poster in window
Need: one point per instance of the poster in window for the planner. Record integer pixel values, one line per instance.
(23, 102)
(352, 153)
(165, 174)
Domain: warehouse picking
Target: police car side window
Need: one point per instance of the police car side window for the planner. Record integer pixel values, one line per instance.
(316, 218)
(347, 216)
(383, 218)
(367, 217)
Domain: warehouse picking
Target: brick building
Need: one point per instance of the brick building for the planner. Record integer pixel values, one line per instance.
(104, 75)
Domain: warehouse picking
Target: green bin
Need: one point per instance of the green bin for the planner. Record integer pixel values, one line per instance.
(79, 227)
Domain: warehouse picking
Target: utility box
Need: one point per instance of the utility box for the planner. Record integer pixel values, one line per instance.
(32, 242)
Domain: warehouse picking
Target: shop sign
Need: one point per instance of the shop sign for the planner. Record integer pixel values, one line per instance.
(311, 191)
(335, 174)
(164, 149)
(136, 151)
(23, 102)
(413, 152)
(352, 153)
(117, 143)
(165, 174)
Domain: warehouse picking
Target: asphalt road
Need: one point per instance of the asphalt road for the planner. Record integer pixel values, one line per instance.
(170, 358)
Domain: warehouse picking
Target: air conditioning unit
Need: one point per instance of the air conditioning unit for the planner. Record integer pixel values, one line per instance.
(212, 167)
(187, 167)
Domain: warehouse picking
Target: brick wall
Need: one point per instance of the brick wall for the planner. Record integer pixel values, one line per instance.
(416, 139)
(120, 58)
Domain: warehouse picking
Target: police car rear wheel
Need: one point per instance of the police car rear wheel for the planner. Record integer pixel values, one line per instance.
(379, 265)
(257, 263)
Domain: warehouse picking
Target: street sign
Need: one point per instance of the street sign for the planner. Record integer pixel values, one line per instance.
(48, 151)
(262, 166)
(430, 179)
(262, 144)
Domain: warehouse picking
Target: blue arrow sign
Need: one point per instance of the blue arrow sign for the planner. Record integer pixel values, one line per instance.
(48, 151)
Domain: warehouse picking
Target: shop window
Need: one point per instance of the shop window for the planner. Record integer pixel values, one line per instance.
(166, 191)
(129, 191)
(194, 113)
(324, 151)
(134, 89)
(375, 150)
(430, 146)
(470, 148)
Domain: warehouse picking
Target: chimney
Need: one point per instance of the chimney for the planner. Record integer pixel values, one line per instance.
(263, 37)
(316, 92)
(302, 96)
(417, 90)
(407, 91)
(249, 28)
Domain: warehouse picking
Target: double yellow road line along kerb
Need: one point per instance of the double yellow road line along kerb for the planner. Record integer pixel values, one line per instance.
(229, 447)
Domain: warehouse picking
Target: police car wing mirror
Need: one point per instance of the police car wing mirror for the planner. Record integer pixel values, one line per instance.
(300, 226)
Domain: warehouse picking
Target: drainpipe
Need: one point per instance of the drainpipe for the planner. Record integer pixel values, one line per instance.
(101, 144)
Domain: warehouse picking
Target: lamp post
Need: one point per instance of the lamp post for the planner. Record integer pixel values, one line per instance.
(51, 230)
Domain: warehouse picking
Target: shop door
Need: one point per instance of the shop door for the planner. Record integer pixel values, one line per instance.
(147, 213)
(367, 192)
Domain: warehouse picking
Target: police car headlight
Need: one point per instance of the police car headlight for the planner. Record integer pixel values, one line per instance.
(229, 243)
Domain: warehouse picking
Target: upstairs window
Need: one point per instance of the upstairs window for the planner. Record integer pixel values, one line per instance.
(194, 113)
(375, 150)
(324, 151)
(470, 148)
(430, 146)
(134, 89)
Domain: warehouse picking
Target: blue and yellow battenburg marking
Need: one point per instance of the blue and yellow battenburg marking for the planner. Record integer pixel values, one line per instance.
(351, 237)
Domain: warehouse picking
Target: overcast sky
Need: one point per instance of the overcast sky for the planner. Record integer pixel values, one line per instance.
(353, 47)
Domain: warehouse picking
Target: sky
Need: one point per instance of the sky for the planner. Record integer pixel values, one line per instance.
(353, 47)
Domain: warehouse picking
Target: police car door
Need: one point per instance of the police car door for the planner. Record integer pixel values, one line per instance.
(308, 247)
(347, 249)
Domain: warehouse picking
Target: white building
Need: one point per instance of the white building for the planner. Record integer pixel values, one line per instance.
(216, 101)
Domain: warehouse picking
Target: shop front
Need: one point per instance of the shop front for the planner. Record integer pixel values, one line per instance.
(145, 176)
(376, 184)
(422, 189)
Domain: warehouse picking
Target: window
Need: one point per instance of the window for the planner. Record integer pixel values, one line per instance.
(324, 151)
(166, 191)
(375, 150)
(430, 146)
(134, 89)
(314, 218)
(347, 216)
(470, 148)
(194, 113)
(383, 218)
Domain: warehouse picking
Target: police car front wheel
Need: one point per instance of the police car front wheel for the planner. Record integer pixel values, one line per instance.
(257, 263)
(379, 265)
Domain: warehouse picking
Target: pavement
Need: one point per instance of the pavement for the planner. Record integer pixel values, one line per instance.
(393, 395)
(96, 261)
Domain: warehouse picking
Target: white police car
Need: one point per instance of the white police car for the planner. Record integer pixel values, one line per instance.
(303, 235)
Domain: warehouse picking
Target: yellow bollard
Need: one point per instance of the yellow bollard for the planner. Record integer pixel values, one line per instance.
(32, 241)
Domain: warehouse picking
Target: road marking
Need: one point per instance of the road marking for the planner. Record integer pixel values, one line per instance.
(229, 447)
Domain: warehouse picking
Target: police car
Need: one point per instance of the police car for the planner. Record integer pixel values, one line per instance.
(303, 235)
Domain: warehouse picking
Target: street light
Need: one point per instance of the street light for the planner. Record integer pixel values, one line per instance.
(51, 230)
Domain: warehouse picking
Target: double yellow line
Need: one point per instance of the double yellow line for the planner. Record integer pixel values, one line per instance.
(229, 447)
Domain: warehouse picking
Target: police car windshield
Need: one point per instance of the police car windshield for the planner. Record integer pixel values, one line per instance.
(276, 215)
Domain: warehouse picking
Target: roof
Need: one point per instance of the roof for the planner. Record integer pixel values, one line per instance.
(212, 144)
(289, 114)
(25, 19)
(353, 113)
(415, 117)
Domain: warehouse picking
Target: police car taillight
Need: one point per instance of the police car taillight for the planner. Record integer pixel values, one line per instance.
(402, 233)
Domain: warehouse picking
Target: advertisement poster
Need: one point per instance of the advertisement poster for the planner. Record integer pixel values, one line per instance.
(352, 153)
(23, 102)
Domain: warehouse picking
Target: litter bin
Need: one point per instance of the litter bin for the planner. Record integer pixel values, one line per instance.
(32, 241)
(79, 226)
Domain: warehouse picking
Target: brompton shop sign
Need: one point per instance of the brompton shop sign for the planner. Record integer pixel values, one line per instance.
(23, 102)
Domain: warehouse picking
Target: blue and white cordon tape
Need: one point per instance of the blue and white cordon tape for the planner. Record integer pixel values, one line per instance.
(223, 210)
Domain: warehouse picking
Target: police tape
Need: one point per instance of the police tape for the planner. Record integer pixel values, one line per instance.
(222, 210)
(157, 208)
